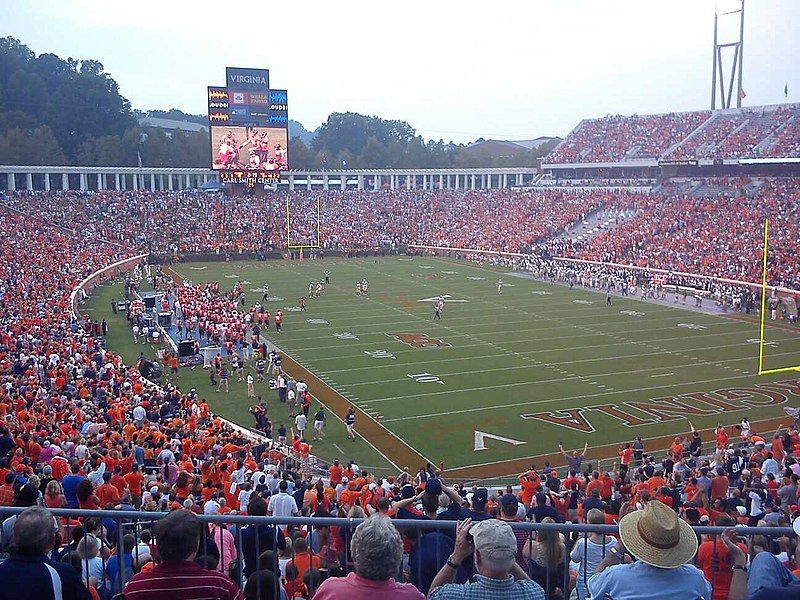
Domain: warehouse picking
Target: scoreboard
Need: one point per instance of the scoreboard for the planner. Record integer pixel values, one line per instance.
(248, 125)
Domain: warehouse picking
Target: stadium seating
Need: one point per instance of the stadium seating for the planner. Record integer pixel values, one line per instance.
(69, 405)
(681, 227)
(744, 133)
(701, 235)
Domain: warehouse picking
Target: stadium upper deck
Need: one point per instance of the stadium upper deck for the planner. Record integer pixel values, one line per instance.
(705, 136)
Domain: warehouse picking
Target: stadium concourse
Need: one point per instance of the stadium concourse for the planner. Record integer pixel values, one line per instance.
(83, 430)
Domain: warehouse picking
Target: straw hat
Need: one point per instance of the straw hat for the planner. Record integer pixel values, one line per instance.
(657, 536)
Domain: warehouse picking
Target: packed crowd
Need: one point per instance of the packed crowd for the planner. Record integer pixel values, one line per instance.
(612, 138)
(672, 229)
(186, 222)
(652, 495)
(82, 430)
(720, 236)
(736, 134)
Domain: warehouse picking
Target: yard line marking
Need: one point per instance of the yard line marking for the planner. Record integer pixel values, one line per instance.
(500, 327)
(533, 402)
(585, 378)
(386, 429)
(588, 379)
(596, 359)
(668, 374)
(457, 334)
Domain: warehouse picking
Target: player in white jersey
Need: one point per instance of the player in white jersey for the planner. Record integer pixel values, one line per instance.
(364, 286)
(310, 289)
(499, 286)
(358, 288)
(319, 289)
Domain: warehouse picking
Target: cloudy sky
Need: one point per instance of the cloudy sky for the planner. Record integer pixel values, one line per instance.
(453, 69)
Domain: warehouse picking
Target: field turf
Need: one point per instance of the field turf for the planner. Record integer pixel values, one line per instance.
(536, 365)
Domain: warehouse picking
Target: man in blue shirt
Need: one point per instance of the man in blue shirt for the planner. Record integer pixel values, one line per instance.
(662, 545)
(112, 568)
(28, 573)
(70, 484)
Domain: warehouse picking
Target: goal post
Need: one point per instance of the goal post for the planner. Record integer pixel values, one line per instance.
(765, 289)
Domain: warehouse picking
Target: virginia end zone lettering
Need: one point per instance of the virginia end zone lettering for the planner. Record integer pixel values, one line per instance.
(669, 408)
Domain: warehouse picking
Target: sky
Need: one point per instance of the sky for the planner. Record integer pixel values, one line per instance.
(455, 70)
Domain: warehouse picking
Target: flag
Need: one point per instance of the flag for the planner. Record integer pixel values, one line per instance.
(786, 90)
(139, 156)
(742, 94)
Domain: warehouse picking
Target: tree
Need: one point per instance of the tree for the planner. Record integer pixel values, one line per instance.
(40, 147)
(300, 157)
(45, 149)
(75, 99)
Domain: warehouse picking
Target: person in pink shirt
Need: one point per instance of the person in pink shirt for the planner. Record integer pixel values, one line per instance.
(223, 538)
(377, 551)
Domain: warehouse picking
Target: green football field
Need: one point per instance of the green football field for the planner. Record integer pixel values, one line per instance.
(504, 377)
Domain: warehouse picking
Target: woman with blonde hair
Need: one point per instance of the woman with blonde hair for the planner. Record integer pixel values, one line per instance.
(589, 550)
(54, 495)
(548, 562)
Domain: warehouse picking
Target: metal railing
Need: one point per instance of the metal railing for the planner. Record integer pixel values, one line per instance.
(333, 546)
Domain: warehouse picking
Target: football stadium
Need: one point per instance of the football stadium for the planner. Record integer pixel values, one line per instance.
(243, 358)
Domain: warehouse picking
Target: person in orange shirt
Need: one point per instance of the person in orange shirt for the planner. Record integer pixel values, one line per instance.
(350, 495)
(719, 485)
(134, 481)
(625, 456)
(778, 452)
(677, 447)
(107, 493)
(641, 488)
(60, 465)
(714, 560)
(607, 488)
(594, 484)
(118, 481)
(335, 473)
(722, 436)
(303, 558)
(656, 482)
(531, 484)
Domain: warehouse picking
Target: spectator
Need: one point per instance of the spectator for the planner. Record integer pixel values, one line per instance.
(715, 561)
(767, 578)
(589, 550)
(28, 572)
(177, 576)
(262, 585)
(377, 551)
(548, 562)
(259, 538)
(662, 545)
(499, 576)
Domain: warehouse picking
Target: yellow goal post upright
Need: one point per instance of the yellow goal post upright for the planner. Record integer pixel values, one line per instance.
(301, 247)
(764, 291)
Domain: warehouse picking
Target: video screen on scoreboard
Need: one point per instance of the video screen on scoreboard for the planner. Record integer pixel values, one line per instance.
(252, 149)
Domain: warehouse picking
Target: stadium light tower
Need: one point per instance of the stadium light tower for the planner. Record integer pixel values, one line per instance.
(718, 75)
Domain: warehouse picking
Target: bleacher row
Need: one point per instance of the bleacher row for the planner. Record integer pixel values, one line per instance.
(772, 131)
